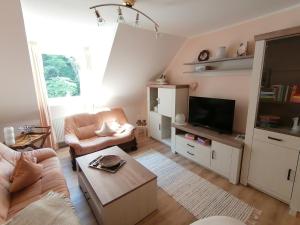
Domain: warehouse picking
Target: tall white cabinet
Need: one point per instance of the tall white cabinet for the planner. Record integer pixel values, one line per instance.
(271, 154)
(163, 103)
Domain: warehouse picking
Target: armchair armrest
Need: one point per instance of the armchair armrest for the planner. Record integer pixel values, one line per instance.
(42, 154)
(71, 140)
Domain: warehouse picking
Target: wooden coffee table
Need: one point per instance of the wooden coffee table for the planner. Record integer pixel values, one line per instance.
(121, 198)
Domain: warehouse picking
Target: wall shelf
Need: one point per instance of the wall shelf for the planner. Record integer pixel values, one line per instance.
(216, 70)
(220, 60)
(222, 65)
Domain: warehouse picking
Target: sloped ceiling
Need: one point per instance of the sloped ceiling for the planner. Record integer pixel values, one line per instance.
(136, 57)
(181, 17)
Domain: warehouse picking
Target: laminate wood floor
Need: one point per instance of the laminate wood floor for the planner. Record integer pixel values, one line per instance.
(169, 211)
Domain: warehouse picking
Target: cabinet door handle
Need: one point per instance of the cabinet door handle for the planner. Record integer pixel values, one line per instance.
(275, 139)
(190, 153)
(190, 145)
(213, 154)
(289, 174)
(158, 126)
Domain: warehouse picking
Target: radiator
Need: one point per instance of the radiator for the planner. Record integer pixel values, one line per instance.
(58, 124)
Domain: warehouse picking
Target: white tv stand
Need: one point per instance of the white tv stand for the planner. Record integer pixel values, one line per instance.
(223, 156)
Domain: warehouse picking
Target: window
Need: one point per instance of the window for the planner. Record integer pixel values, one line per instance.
(61, 75)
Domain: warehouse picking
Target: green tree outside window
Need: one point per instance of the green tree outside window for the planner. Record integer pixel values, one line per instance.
(61, 76)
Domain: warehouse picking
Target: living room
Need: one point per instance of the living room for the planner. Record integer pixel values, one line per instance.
(187, 111)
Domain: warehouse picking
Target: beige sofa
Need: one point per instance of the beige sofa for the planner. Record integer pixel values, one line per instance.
(52, 180)
(81, 137)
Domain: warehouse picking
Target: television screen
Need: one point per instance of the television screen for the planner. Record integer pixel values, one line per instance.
(213, 113)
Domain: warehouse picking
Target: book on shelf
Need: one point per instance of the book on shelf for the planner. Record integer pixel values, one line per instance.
(295, 93)
(281, 93)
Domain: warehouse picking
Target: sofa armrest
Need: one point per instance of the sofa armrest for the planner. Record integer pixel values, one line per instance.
(42, 154)
(71, 140)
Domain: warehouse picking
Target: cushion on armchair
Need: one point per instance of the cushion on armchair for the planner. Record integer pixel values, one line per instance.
(105, 130)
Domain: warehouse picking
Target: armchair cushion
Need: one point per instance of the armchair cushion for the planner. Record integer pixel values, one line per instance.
(105, 130)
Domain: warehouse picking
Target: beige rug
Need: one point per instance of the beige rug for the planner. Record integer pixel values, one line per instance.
(197, 195)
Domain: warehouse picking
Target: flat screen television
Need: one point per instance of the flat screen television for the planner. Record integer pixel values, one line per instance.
(216, 114)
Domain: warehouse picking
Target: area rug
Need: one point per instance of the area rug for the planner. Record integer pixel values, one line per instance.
(200, 197)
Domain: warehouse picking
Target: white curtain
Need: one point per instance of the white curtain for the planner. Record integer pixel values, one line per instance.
(41, 92)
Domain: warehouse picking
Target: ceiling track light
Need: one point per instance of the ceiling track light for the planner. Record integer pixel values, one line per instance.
(128, 4)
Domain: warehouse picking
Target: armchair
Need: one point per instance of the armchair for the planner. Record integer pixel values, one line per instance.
(81, 137)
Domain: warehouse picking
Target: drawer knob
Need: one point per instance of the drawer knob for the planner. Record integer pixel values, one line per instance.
(274, 139)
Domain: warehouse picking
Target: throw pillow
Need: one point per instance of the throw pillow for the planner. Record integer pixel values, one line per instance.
(105, 130)
(28, 157)
(26, 173)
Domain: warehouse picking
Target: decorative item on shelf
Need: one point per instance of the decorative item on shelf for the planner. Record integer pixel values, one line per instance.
(9, 136)
(162, 79)
(242, 49)
(190, 136)
(269, 120)
(180, 119)
(221, 52)
(296, 127)
(240, 137)
(203, 56)
(203, 141)
(155, 108)
(128, 5)
(26, 129)
(202, 68)
(193, 86)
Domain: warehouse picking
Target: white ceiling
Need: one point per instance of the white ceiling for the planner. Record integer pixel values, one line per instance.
(179, 17)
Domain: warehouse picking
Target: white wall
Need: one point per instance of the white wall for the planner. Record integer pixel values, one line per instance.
(136, 58)
(18, 103)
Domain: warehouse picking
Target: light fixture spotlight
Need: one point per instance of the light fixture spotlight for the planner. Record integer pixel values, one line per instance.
(99, 17)
(120, 16)
(137, 19)
(128, 5)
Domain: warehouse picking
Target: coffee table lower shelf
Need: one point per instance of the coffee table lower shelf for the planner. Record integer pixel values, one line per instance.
(126, 210)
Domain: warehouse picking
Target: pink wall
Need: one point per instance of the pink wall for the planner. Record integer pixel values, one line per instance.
(235, 85)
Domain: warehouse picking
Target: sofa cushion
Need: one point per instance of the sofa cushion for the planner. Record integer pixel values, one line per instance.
(25, 174)
(28, 157)
(4, 202)
(9, 154)
(6, 169)
(105, 130)
(21, 199)
(52, 178)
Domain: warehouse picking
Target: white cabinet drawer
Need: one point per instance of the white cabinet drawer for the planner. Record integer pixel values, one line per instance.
(279, 139)
(192, 150)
